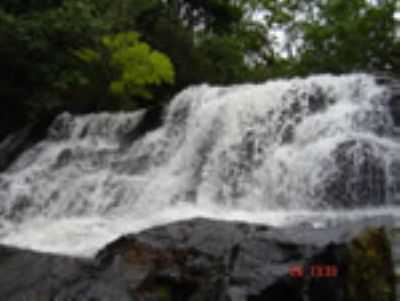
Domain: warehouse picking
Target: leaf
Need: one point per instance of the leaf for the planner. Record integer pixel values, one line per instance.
(135, 65)
(88, 55)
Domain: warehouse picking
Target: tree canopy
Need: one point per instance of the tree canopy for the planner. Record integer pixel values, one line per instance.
(128, 65)
(93, 55)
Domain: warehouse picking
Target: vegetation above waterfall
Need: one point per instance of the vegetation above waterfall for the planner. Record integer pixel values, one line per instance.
(122, 68)
(93, 55)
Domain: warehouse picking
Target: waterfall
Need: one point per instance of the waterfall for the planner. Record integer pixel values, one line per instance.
(322, 144)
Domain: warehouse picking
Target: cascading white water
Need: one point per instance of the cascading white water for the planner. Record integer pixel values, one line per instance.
(257, 152)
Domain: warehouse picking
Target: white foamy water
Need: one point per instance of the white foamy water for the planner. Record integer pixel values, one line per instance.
(84, 236)
(317, 149)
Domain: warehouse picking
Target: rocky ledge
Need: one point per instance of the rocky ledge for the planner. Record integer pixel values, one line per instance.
(210, 260)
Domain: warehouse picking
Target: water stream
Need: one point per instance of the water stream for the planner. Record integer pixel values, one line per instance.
(316, 149)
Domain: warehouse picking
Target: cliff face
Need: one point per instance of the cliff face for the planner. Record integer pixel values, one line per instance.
(213, 260)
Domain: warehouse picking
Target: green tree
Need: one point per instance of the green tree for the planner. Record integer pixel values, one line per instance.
(358, 34)
(26, 6)
(214, 15)
(214, 41)
(36, 60)
(129, 66)
(335, 36)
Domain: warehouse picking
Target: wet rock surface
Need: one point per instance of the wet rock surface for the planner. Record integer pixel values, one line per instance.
(394, 86)
(360, 179)
(211, 260)
(16, 143)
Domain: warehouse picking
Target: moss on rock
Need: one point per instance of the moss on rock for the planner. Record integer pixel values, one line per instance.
(369, 275)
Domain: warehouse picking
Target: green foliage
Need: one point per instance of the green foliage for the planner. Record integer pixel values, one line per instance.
(26, 6)
(357, 34)
(36, 55)
(47, 77)
(134, 66)
(139, 65)
(213, 15)
(370, 274)
(86, 55)
(336, 36)
(165, 293)
(225, 59)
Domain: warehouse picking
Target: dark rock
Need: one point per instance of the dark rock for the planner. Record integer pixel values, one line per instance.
(152, 119)
(14, 144)
(393, 84)
(395, 105)
(204, 260)
(31, 276)
(360, 179)
(62, 127)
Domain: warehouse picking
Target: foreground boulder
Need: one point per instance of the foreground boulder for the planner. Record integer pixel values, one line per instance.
(209, 260)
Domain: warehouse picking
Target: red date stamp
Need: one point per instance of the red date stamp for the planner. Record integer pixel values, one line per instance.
(315, 271)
